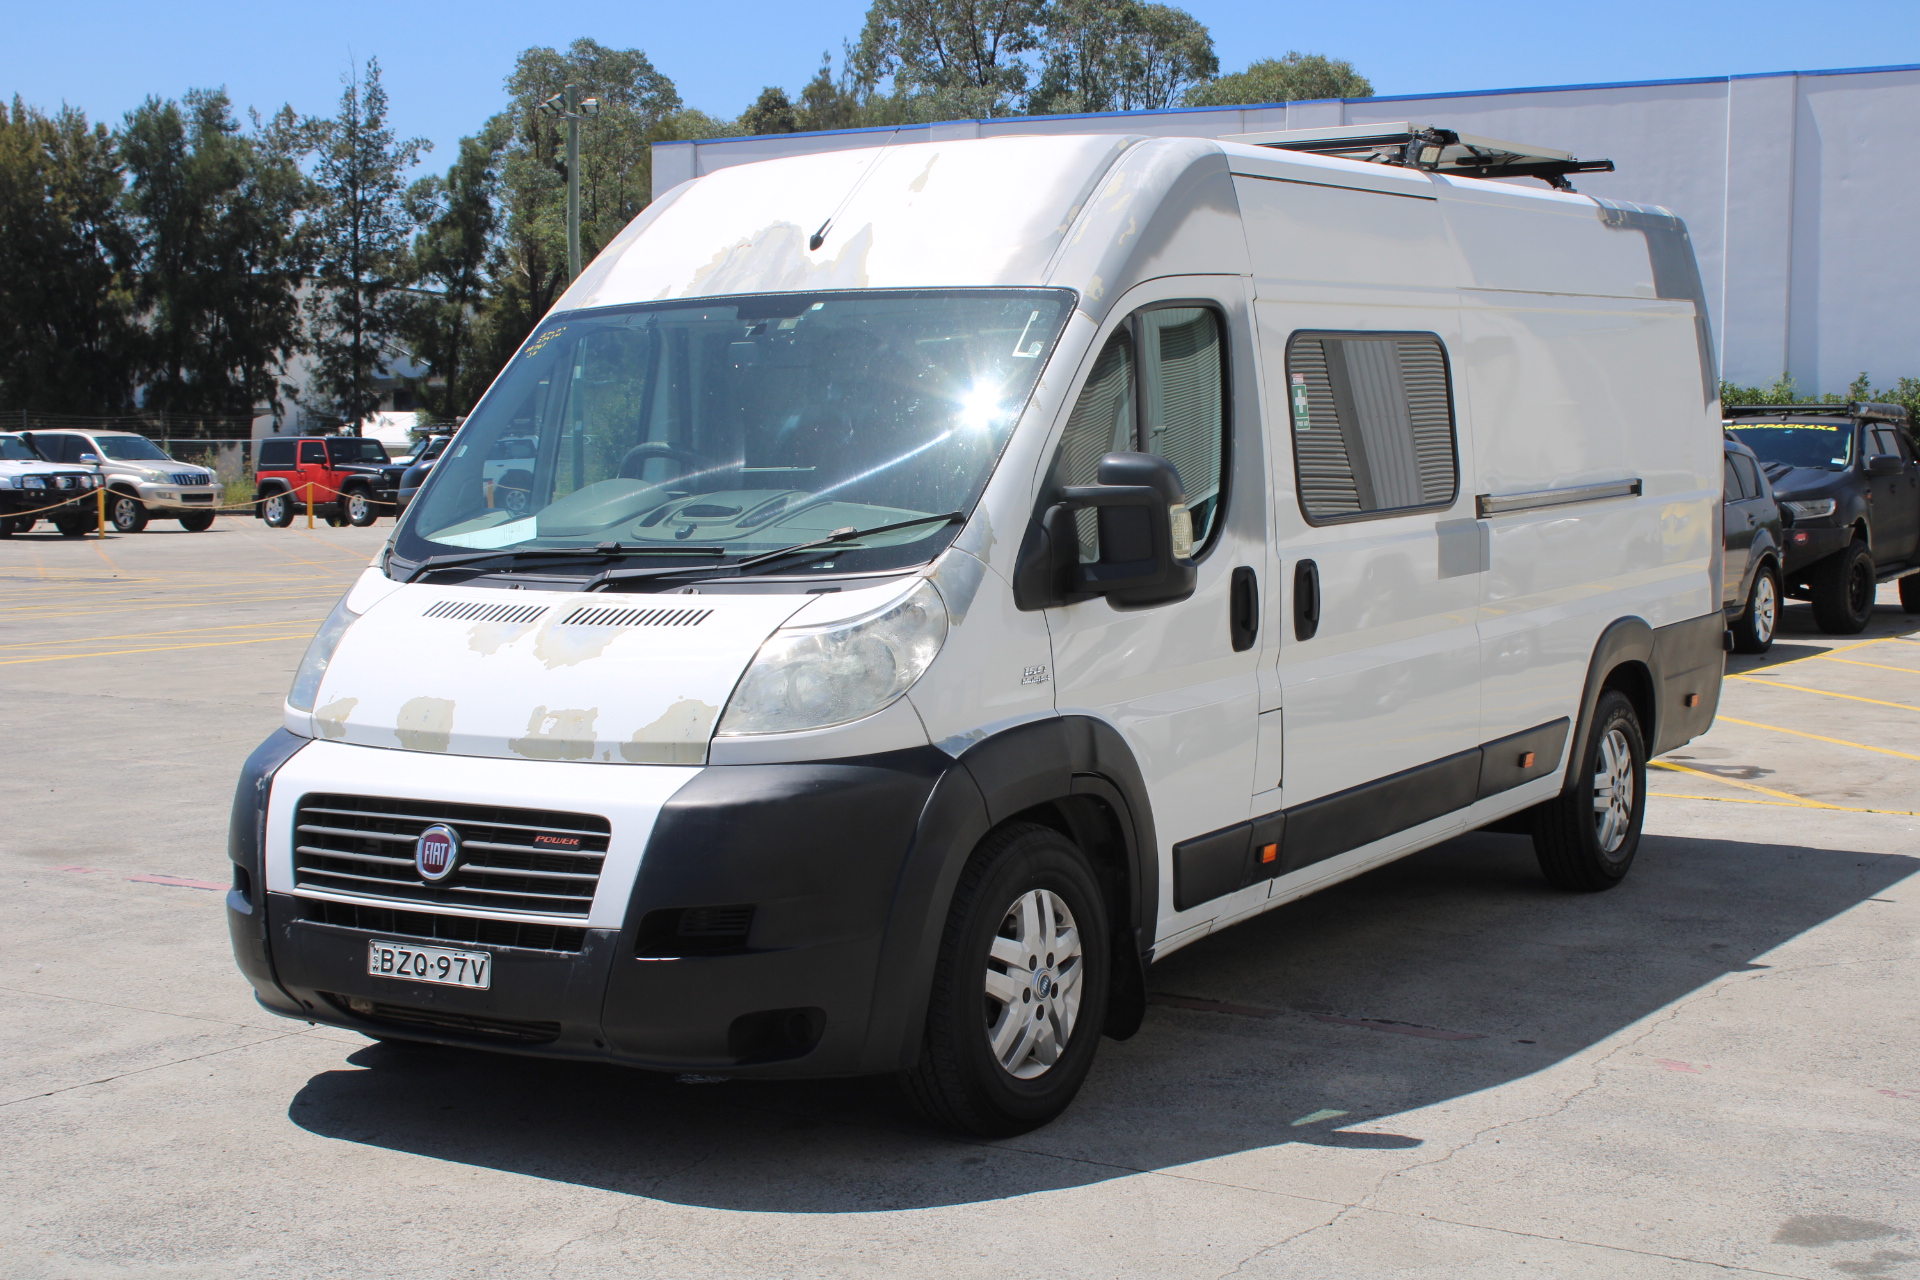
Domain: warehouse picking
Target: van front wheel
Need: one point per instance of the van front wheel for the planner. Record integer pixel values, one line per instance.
(1019, 989)
(1586, 838)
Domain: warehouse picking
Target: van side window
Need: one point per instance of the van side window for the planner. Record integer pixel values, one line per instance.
(1157, 387)
(1101, 423)
(1372, 417)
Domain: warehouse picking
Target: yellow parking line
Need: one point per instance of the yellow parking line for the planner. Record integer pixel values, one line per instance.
(1744, 786)
(1778, 804)
(1825, 693)
(151, 635)
(1878, 666)
(114, 653)
(1838, 742)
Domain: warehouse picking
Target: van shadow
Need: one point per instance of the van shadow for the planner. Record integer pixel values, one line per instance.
(1462, 938)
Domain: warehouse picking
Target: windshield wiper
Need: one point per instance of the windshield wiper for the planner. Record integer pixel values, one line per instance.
(832, 540)
(602, 551)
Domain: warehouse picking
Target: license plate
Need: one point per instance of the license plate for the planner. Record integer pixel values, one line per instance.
(430, 964)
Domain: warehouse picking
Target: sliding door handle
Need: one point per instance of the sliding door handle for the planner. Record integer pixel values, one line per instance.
(1306, 599)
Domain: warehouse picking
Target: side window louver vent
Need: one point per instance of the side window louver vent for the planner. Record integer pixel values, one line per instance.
(589, 617)
(481, 611)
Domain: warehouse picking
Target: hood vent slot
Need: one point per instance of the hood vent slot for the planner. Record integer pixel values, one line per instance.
(588, 617)
(481, 611)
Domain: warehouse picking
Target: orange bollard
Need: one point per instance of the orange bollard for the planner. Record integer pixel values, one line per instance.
(101, 494)
(309, 504)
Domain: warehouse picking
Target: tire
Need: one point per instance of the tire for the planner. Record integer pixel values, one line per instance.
(1843, 591)
(1022, 890)
(128, 513)
(1585, 838)
(1753, 630)
(360, 509)
(76, 526)
(198, 522)
(514, 492)
(277, 511)
(1910, 593)
(16, 524)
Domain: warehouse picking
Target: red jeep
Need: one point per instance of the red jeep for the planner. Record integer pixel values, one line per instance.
(350, 479)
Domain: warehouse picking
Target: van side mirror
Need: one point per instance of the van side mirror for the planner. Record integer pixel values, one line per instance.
(1145, 540)
(1885, 464)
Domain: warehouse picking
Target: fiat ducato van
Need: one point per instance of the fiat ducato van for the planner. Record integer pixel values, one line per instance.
(941, 580)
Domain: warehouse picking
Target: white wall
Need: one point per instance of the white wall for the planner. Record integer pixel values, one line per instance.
(1800, 190)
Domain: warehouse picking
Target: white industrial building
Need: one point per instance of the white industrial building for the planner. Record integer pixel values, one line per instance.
(1800, 189)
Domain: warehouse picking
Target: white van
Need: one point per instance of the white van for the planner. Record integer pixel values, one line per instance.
(954, 576)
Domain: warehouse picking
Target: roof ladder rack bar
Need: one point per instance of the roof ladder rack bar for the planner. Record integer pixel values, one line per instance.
(1410, 145)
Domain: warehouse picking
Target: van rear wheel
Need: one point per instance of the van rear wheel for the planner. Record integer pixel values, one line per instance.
(1843, 591)
(1585, 838)
(1019, 990)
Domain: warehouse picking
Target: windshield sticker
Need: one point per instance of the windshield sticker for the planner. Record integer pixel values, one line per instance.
(1785, 426)
(533, 348)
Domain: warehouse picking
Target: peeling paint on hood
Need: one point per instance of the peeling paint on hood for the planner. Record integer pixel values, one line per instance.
(550, 690)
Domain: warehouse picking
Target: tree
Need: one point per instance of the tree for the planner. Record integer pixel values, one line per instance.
(1119, 55)
(66, 310)
(1297, 77)
(961, 56)
(361, 229)
(455, 258)
(638, 106)
(220, 257)
(771, 112)
(827, 103)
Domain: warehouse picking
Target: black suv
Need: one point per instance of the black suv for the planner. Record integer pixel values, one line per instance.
(1849, 490)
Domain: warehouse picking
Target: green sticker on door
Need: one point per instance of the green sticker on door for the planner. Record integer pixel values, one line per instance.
(1302, 418)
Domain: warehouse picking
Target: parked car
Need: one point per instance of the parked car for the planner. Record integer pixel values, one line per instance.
(142, 480)
(849, 698)
(1849, 490)
(1751, 585)
(423, 460)
(31, 484)
(350, 480)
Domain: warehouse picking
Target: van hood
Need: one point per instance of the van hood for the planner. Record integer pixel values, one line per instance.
(535, 675)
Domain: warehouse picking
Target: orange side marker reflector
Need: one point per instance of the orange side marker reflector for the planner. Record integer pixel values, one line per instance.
(1269, 852)
(1692, 699)
(1526, 759)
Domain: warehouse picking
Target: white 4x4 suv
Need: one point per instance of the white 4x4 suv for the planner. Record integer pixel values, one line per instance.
(142, 481)
(29, 484)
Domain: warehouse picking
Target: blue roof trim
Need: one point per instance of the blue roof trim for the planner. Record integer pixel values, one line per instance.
(1272, 106)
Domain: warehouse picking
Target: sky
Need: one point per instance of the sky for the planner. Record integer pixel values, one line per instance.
(445, 63)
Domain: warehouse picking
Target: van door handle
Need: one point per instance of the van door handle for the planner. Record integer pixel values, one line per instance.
(1306, 599)
(1243, 612)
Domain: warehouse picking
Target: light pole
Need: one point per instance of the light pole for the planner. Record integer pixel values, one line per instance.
(569, 106)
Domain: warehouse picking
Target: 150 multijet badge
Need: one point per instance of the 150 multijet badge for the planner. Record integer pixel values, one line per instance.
(436, 852)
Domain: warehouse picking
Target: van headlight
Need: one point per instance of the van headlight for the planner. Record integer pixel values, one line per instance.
(306, 683)
(817, 677)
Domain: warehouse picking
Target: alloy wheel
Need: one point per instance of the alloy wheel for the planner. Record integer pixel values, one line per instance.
(1613, 791)
(1766, 608)
(1032, 984)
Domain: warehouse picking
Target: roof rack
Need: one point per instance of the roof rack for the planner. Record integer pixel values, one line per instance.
(1436, 150)
(1832, 408)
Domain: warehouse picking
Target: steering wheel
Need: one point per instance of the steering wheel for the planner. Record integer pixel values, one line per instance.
(638, 457)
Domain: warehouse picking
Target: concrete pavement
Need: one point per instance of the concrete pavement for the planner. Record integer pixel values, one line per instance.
(1713, 1069)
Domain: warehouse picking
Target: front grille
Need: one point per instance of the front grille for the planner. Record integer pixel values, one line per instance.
(695, 931)
(196, 497)
(191, 478)
(431, 926)
(441, 1021)
(524, 860)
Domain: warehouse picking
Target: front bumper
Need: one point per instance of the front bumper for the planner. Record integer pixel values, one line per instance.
(1805, 546)
(818, 985)
(157, 496)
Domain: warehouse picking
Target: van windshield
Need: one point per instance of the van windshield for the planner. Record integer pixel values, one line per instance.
(1826, 446)
(743, 425)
